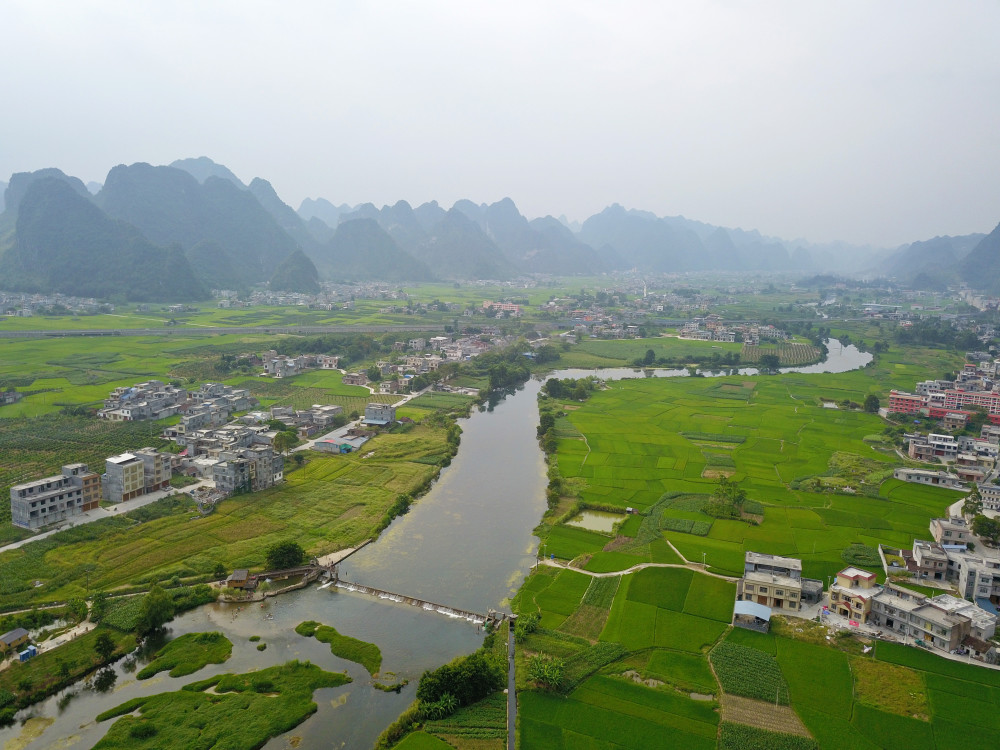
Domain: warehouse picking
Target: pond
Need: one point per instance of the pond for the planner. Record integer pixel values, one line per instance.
(596, 520)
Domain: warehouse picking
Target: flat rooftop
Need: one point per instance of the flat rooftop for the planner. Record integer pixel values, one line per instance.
(759, 558)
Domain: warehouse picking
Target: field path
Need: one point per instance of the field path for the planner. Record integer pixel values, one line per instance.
(692, 566)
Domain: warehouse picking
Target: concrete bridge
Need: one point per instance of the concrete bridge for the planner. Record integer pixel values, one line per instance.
(491, 618)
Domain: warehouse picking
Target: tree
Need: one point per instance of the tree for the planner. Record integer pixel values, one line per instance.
(283, 441)
(374, 374)
(973, 505)
(105, 646)
(987, 528)
(281, 555)
(650, 357)
(872, 403)
(157, 610)
(769, 362)
(546, 670)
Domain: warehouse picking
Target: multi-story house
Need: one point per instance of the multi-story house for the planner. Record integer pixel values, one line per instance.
(123, 478)
(776, 582)
(247, 469)
(133, 474)
(942, 622)
(852, 593)
(52, 499)
(380, 414)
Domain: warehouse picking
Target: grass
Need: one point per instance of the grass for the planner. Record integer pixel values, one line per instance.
(555, 723)
(686, 671)
(890, 687)
(421, 741)
(243, 711)
(366, 654)
(187, 654)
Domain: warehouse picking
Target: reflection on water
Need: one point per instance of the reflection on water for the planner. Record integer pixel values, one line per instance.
(839, 358)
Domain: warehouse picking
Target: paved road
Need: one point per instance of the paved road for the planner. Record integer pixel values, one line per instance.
(511, 692)
(115, 510)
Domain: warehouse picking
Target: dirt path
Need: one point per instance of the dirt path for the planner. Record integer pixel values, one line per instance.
(691, 566)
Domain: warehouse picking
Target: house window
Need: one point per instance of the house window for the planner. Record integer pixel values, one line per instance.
(763, 589)
(779, 592)
(749, 587)
(793, 595)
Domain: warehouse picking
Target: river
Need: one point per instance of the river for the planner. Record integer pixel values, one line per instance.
(466, 544)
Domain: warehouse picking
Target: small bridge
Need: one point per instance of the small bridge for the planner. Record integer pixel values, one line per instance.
(491, 618)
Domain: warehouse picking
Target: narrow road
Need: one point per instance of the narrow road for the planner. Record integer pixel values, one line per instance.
(511, 692)
(115, 510)
(634, 568)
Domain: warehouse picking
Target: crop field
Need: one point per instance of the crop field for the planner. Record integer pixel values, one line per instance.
(599, 715)
(745, 671)
(619, 352)
(823, 492)
(820, 486)
(789, 355)
(481, 726)
(331, 503)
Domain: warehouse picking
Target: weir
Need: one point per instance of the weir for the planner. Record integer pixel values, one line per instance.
(491, 618)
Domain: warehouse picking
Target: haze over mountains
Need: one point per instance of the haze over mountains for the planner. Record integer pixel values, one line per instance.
(174, 232)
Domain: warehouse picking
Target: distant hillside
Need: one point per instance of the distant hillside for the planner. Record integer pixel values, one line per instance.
(202, 168)
(296, 274)
(65, 243)
(323, 210)
(3, 189)
(360, 250)
(456, 248)
(293, 224)
(981, 267)
(21, 181)
(170, 206)
(936, 259)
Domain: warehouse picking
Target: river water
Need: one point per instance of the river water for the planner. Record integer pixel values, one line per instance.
(466, 544)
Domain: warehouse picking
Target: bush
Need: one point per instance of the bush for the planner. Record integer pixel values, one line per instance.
(142, 730)
(468, 678)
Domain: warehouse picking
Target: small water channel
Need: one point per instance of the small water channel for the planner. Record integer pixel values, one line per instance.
(466, 544)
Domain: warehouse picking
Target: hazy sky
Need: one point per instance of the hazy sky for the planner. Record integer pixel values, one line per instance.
(864, 121)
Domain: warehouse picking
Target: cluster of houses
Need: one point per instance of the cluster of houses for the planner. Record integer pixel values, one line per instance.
(712, 328)
(774, 585)
(212, 403)
(77, 489)
(28, 305)
(10, 397)
(976, 386)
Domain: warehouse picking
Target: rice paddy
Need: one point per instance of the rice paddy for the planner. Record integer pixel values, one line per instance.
(819, 492)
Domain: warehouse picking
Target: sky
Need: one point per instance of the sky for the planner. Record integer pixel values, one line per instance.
(869, 122)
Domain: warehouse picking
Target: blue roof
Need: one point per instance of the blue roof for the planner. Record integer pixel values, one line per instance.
(753, 609)
(984, 603)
